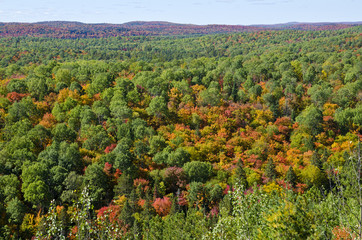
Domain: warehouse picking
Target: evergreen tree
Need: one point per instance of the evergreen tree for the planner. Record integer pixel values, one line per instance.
(124, 186)
(147, 208)
(155, 190)
(316, 160)
(174, 206)
(146, 216)
(127, 214)
(136, 230)
(291, 177)
(270, 171)
(133, 200)
(240, 174)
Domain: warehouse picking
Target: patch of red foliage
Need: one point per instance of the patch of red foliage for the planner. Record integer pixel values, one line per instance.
(162, 206)
(110, 148)
(16, 97)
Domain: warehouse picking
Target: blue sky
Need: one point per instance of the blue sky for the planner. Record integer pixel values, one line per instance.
(241, 12)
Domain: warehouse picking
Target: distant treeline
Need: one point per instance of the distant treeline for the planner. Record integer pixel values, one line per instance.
(80, 30)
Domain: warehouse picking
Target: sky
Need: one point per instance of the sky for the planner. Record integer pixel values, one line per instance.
(234, 12)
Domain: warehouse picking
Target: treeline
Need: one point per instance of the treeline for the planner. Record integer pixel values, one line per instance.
(252, 135)
(74, 30)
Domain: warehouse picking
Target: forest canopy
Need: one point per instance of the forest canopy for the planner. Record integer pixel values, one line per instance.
(252, 135)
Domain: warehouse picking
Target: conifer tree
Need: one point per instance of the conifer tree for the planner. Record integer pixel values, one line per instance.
(291, 177)
(174, 207)
(124, 185)
(136, 230)
(146, 216)
(316, 160)
(241, 175)
(127, 214)
(155, 191)
(133, 201)
(270, 171)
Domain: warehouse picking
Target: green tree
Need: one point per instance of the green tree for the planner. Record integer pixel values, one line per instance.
(39, 135)
(157, 144)
(198, 171)
(240, 177)
(124, 186)
(119, 109)
(38, 87)
(311, 118)
(156, 228)
(97, 138)
(100, 82)
(16, 211)
(349, 118)
(210, 96)
(57, 177)
(75, 86)
(127, 215)
(72, 186)
(123, 157)
(101, 110)
(99, 184)
(17, 85)
(62, 132)
(320, 94)
(178, 157)
(15, 153)
(270, 171)
(9, 187)
(24, 109)
(158, 107)
(37, 193)
(63, 75)
(196, 194)
(291, 177)
(69, 157)
(35, 187)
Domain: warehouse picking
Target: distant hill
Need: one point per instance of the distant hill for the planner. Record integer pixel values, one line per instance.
(64, 29)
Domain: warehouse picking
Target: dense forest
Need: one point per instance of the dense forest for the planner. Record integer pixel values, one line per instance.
(66, 30)
(249, 135)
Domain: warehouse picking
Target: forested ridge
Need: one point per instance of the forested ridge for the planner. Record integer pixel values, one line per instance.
(72, 30)
(251, 135)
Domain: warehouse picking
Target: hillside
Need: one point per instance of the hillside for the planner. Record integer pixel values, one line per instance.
(252, 135)
(61, 29)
